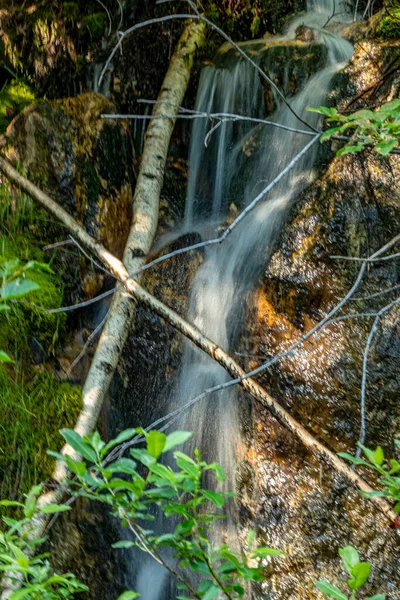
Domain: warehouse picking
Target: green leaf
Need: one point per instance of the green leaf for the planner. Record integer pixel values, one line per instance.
(75, 466)
(94, 440)
(349, 556)
(214, 497)
(4, 308)
(128, 596)
(17, 288)
(4, 358)
(76, 442)
(368, 453)
(155, 443)
(386, 146)
(176, 438)
(10, 503)
(324, 110)
(353, 459)
(360, 573)
(218, 471)
(124, 544)
(212, 592)
(123, 465)
(54, 508)
(377, 597)
(263, 551)
(330, 132)
(124, 436)
(396, 507)
(143, 456)
(379, 456)
(330, 590)
(350, 149)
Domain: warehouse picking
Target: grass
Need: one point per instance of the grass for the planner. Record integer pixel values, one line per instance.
(32, 412)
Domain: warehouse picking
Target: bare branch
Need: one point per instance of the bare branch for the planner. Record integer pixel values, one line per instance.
(368, 260)
(203, 115)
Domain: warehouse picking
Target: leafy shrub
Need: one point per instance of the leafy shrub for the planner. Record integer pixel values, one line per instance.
(379, 129)
(359, 573)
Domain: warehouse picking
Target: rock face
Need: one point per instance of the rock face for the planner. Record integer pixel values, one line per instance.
(298, 504)
(83, 161)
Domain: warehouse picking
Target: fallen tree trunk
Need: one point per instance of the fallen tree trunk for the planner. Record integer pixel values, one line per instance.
(143, 228)
(192, 333)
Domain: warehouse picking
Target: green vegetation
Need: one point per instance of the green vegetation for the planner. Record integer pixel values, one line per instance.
(130, 487)
(18, 555)
(95, 23)
(33, 404)
(359, 573)
(379, 129)
(30, 407)
(121, 484)
(14, 97)
(386, 468)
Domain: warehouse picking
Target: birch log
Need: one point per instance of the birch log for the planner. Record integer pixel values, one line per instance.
(143, 228)
(194, 334)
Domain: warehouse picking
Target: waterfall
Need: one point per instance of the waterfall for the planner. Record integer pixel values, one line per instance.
(221, 175)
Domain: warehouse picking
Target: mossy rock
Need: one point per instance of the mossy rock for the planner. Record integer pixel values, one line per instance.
(82, 160)
(390, 26)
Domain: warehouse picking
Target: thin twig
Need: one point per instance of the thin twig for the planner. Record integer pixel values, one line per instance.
(204, 115)
(365, 367)
(87, 344)
(376, 294)
(135, 28)
(367, 260)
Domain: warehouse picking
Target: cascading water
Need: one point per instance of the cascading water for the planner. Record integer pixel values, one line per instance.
(220, 175)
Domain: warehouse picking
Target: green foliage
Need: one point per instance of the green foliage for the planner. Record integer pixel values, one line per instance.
(14, 285)
(94, 23)
(132, 486)
(14, 97)
(390, 26)
(32, 411)
(19, 560)
(359, 573)
(70, 11)
(37, 289)
(388, 470)
(379, 129)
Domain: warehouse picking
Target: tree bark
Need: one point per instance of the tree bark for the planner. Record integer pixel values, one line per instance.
(133, 288)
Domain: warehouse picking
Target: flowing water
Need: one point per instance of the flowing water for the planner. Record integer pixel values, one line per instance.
(221, 175)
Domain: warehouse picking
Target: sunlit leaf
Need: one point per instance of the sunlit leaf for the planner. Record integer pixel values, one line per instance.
(76, 442)
(330, 590)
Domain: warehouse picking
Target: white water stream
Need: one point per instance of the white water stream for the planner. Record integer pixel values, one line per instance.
(218, 177)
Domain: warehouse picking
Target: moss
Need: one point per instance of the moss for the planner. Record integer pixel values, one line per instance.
(390, 26)
(70, 11)
(14, 97)
(32, 414)
(95, 23)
